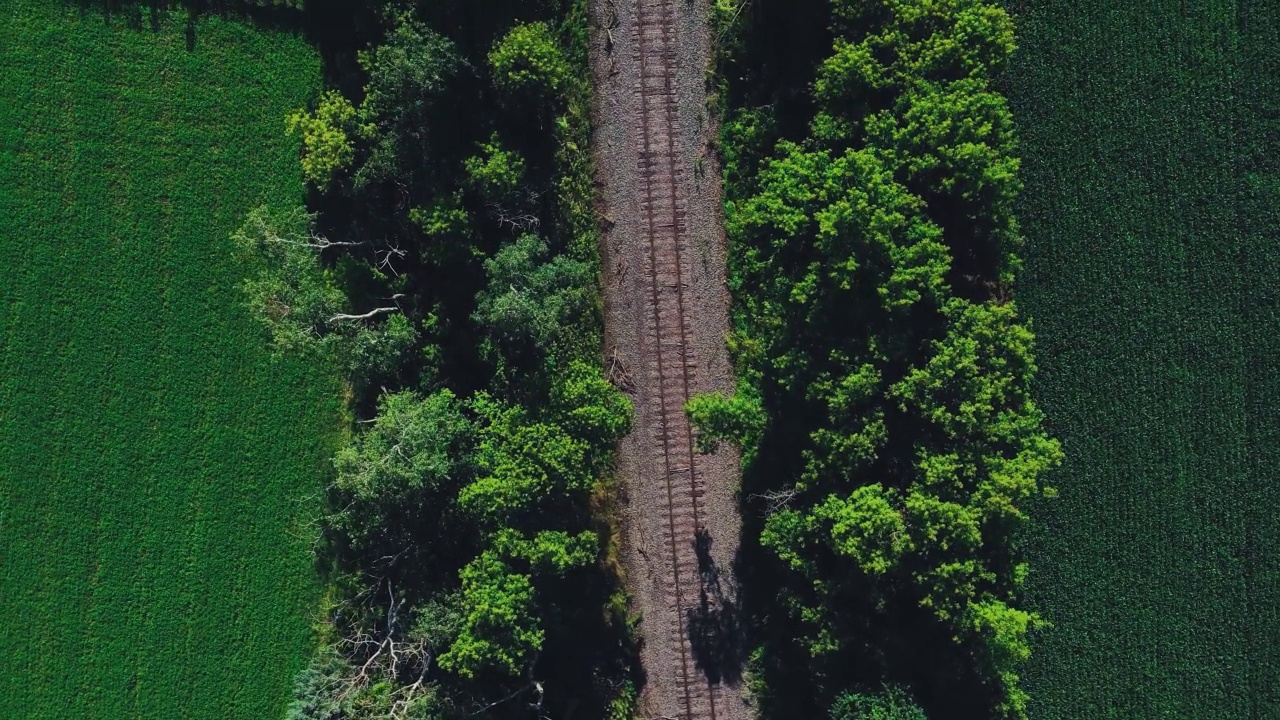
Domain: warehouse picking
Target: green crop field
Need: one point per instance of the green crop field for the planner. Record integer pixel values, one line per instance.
(155, 461)
(1152, 209)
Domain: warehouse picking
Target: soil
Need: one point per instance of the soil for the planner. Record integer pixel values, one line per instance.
(666, 321)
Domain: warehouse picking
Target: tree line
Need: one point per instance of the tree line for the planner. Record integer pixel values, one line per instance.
(890, 438)
(447, 263)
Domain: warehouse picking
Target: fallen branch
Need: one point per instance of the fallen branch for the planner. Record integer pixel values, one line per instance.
(618, 374)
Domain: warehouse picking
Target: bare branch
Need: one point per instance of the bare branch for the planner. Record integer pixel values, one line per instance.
(311, 239)
(343, 317)
(776, 499)
(516, 220)
(523, 688)
(383, 650)
(386, 253)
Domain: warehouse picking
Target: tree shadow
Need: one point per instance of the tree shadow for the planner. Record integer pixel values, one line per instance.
(715, 626)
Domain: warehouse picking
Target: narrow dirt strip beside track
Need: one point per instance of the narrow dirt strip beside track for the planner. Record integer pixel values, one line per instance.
(666, 322)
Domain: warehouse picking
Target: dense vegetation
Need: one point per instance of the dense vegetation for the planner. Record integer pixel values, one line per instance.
(450, 268)
(890, 438)
(155, 461)
(1153, 183)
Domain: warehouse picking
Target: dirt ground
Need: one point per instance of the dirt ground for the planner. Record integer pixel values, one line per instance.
(689, 621)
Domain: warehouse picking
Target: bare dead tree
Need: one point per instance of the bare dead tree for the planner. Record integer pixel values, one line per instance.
(775, 500)
(383, 649)
(517, 219)
(260, 225)
(384, 255)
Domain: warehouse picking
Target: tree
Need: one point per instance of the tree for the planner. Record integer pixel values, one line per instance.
(529, 65)
(934, 41)
(1003, 633)
(500, 630)
(316, 694)
(497, 175)
(409, 73)
(590, 408)
(327, 137)
(954, 145)
(978, 373)
(525, 468)
(300, 303)
(738, 418)
(530, 300)
(548, 552)
(416, 447)
(898, 440)
(415, 454)
(866, 527)
(286, 288)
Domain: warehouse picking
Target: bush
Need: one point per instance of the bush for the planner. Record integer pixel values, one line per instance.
(891, 704)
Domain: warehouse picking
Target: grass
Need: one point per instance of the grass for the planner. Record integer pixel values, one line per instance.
(155, 461)
(1153, 198)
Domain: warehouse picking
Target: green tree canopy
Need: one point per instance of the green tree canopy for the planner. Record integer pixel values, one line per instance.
(286, 288)
(327, 137)
(530, 298)
(528, 64)
(500, 629)
(401, 115)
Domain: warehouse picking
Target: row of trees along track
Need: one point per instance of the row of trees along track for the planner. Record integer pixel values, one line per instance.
(886, 411)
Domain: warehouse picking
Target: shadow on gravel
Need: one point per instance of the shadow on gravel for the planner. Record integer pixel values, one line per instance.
(715, 625)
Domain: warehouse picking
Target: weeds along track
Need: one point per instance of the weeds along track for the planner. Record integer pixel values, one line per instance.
(671, 360)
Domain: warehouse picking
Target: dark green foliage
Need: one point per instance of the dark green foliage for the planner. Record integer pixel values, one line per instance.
(532, 299)
(158, 466)
(886, 419)
(313, 692)
(1152, 165)
(402, 114)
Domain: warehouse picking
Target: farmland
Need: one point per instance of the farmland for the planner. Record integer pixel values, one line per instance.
(155, 461)
(1150, 163)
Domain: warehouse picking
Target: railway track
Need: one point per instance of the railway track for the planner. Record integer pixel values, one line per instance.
(671, 363)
